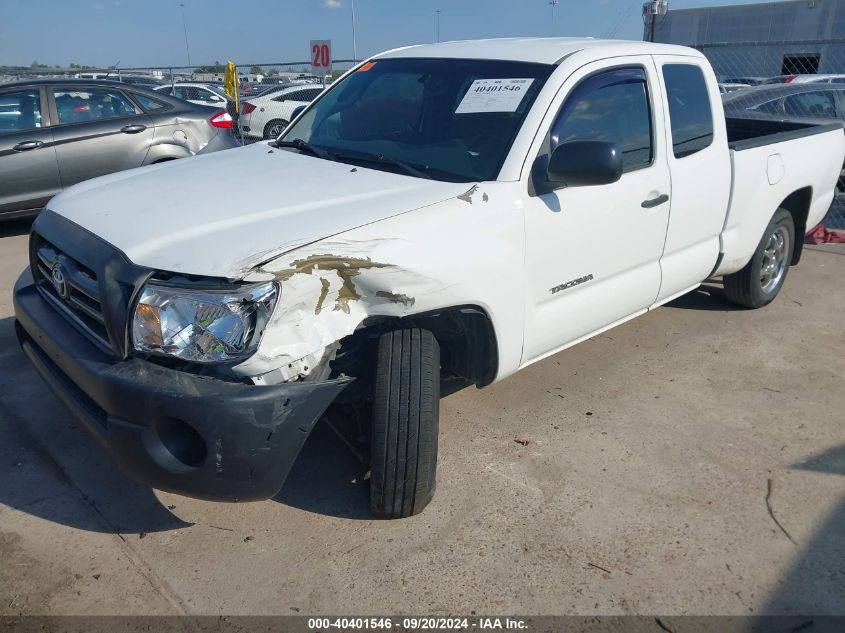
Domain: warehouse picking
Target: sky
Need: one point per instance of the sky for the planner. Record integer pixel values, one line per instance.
(150, 32)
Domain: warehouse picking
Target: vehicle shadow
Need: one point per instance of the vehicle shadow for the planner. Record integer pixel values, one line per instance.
(12, 228)
(708, 296)
(45, 456)
(328, 477)
(51, 468)
(814, 585)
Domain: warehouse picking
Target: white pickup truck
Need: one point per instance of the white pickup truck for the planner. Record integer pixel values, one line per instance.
(443, 212)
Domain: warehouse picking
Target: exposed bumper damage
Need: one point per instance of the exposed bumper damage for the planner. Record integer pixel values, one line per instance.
(325, 297)
(193, 435)
(329, 288)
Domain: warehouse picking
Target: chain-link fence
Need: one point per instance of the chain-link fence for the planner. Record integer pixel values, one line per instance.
(774, 60)
(253, 79)
(803, 81)
(248, 73)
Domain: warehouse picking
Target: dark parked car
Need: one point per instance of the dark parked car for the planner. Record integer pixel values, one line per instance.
(804, 101)
(748, 81)
(55, 133)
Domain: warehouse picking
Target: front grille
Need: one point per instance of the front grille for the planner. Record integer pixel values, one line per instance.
(74, 290)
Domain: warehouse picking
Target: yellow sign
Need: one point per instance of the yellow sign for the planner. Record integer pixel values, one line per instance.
(230, 83)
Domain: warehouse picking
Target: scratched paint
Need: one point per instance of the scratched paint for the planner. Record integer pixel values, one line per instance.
(346, 268)
(386, 270)
(467, 195)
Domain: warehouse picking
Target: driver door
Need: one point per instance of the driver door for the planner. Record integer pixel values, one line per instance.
(593, 252)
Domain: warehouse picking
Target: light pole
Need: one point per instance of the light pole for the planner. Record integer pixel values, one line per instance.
(553, 4)
(185, 28)
(437, 11)
(354, 43)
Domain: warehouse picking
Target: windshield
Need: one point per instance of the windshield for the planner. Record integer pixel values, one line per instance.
(453, 119)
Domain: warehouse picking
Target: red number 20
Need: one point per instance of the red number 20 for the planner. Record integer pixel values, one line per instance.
(321, 55)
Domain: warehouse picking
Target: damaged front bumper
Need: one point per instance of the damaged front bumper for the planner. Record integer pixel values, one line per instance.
(193, 435)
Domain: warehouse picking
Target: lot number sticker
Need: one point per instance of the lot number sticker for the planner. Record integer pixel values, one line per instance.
(494, 95)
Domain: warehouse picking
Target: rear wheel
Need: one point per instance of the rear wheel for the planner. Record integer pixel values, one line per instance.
(406, 402)
(274, 128)
(762, 278)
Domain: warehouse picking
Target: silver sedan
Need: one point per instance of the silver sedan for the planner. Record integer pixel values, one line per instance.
(55, 133)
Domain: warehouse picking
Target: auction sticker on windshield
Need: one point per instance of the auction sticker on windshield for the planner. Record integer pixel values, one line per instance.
(494, 95)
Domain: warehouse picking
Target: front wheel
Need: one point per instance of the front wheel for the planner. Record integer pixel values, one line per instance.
(274, 128)
(762, 278)
(406, 404)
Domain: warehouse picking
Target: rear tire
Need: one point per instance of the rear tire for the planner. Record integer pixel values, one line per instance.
(403, 456)
(274, 128)
(762, 278)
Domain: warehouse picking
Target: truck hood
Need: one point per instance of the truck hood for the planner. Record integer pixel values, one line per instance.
(221, 214)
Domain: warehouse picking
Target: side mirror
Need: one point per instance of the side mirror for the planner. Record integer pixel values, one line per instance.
(583, 163)
(296, 112)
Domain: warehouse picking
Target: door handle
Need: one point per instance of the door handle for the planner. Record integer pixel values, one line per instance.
(22, 147)
(655, 202)
(133, 129)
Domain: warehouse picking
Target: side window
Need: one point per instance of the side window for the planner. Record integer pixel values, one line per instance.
(690, 114)
(20, 110)
(186, 92)
(148, 103)
(313, 94)
(772, 107)
(812, 104)
(295, 95)
(206, 95)
(612, 106)
(91, 104)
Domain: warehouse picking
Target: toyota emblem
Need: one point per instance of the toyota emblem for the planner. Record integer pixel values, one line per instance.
(60, 282)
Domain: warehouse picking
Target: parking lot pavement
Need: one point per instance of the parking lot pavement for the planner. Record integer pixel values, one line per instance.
(654, 461)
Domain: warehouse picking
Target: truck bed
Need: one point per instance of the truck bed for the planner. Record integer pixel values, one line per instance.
(774, 164)
(749, 133)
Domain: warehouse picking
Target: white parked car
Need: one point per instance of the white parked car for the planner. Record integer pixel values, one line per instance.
(199, 93)
(268, 115)
(818, 79)
(452, 212)
(727, 88)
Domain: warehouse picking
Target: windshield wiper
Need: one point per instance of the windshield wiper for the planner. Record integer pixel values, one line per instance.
(413, 170)
(303, 146)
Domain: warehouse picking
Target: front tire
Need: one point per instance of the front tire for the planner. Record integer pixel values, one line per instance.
(762, 278)
(274, 128)
(406, 404)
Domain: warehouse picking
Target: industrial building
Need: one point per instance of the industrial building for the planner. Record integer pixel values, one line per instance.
(765, 39)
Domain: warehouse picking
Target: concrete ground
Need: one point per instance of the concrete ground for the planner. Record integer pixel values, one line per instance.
(653, 455)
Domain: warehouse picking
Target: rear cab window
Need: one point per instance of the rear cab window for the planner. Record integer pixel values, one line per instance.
(690, 113)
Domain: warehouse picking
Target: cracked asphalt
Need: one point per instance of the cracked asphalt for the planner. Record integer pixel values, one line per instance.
(691, 461)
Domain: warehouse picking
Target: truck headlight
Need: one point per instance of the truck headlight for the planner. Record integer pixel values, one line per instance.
(202, 326)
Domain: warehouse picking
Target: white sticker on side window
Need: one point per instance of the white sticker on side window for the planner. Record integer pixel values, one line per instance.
(494, 95)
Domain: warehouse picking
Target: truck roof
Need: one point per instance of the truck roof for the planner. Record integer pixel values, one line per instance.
(543, 50)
